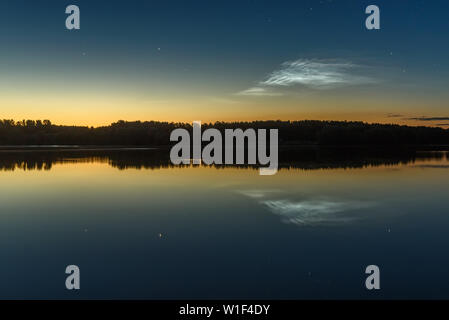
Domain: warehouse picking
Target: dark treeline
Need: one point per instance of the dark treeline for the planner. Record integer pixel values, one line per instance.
(153, 133)
(305, 158)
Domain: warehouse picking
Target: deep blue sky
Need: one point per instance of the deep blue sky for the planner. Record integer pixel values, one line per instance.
(213, 52)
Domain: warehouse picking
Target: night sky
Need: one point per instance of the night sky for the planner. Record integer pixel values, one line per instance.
(225, 60)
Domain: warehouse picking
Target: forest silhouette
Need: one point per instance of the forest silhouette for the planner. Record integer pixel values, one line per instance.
(304, 158)
(154, 133)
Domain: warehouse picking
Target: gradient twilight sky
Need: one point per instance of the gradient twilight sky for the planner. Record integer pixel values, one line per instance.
(225, 60)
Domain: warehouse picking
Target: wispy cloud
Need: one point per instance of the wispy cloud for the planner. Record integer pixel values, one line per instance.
(316, 74)
(314, 212)
(257, 193)
(311, 74)
(433, 166)
(307, 211)
(257, 91)
(394, 115)
(429, 118)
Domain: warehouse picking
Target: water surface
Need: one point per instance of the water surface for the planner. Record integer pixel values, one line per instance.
(140, 228)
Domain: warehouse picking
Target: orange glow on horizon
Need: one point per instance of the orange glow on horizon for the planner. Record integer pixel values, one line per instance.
(101, 111)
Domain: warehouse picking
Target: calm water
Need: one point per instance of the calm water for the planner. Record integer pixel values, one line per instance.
(138, 228)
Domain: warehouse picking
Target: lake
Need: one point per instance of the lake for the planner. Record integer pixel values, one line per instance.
(139, 228)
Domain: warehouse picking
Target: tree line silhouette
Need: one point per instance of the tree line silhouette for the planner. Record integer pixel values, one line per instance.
(154, 133)
(303, 158)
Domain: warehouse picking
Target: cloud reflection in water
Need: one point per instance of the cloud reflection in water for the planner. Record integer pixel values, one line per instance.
(309, 211)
